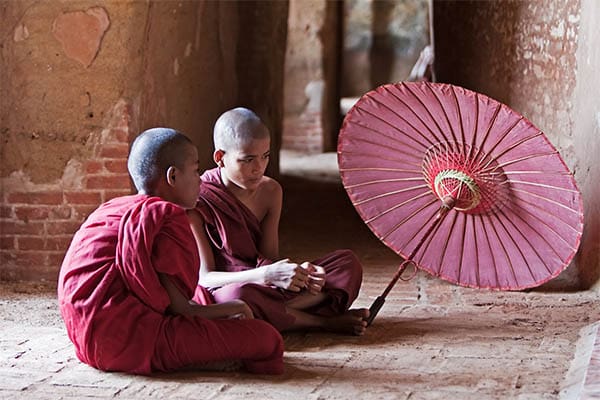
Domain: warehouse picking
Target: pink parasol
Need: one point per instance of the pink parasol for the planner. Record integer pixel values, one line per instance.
(459, 185)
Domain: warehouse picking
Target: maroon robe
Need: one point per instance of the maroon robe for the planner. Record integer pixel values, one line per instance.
(235, 234)
(115, 308)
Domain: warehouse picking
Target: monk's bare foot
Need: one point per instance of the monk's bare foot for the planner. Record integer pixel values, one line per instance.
(351, 322)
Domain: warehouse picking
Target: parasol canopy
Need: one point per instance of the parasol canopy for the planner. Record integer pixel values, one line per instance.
(460, 185)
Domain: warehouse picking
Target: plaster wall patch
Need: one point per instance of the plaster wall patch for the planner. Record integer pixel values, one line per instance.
(21, 33)
(81, 33)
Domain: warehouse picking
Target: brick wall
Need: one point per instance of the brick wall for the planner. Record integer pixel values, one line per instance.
(37, 221)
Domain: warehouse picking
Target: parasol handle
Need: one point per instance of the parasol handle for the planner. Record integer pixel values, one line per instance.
(447, 204)
(374, 309)
(378, 303)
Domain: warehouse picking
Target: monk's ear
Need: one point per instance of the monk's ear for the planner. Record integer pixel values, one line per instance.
(218, 157)
(171, 172)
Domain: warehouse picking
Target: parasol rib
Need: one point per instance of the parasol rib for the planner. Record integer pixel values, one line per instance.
(433, 119)
(517, 160)
(378, 158)
(417, 116)
(543, 185)
(477, 273)
(365, 169)
(505, 253)
(399, 224)
(470, 158)
(392, 138)
(546, 199)
(487, 133)
(463, 140)
(396, 128)
(550, 228)
(379, 196)
(443, 108)
(395, 207)
(378, 181)
(446, 242)
(509, 148)
(426, 239)
(501, 138)
(549, 214)
(491, 250)
(513, 171)
(527, 239)
(511, 238)
(462, 248)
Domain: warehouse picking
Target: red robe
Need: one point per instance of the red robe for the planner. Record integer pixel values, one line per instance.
(115, 308)
(235, 234)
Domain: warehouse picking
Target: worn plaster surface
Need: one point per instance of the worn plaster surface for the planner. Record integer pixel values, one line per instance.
(432, 340)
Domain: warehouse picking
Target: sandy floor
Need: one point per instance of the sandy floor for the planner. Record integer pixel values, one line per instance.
(432, 340)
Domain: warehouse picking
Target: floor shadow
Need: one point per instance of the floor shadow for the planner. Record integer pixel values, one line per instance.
(291, 372)
(386, 330)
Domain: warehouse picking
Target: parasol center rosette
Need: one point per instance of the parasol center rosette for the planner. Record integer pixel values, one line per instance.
(464, 178)
(460, 188)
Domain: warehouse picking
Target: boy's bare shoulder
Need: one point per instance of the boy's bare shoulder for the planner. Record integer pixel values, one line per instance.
(270, 186)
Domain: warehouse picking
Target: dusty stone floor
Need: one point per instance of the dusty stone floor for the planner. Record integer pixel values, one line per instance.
(432, 340)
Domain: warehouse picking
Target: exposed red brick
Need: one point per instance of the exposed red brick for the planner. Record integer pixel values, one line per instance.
(114, 151)
(93, 167)
(62, 212)
(6, 212)
(7, 256)
(108, 182)
(82, 197)
(51, 198)
(26, 213)
(116, 193)
(119, 166)
(82, 212)
(21, 228)
(30, 258)
(58, 243)
(62, 227)
(7, 242)
(118, 135)
(55, 259)
(30, 243)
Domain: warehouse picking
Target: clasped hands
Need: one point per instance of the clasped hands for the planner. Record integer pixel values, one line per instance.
(295, 277)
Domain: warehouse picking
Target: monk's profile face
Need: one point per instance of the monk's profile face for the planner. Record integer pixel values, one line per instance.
(245, 165)
(187, 180)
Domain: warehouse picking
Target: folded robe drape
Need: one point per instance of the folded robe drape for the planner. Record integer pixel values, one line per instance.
(115, 308)
(235, 234)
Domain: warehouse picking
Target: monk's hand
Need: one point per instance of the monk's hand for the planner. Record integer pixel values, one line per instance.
(286, 275)
(316, 277)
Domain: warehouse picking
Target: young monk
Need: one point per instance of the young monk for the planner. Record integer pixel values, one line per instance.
(131, 269)
(236, 222)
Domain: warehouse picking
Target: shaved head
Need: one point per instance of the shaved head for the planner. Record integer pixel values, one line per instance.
(236, 128)
(152, 153)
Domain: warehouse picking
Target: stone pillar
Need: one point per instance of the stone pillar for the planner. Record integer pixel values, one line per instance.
(304, 78)
(541, 59)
